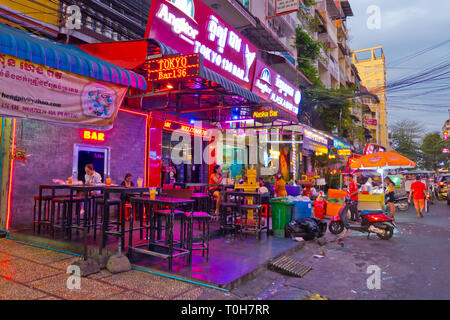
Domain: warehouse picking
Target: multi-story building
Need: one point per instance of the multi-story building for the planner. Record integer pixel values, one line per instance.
(371, 65)
(108, 20)
(274, 35)
(40, 16)
(101, 20)
(371, 116)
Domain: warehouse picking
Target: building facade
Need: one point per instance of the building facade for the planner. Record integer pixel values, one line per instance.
(371, 65)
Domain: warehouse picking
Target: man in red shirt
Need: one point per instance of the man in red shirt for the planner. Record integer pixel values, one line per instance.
(352, 193)
(418, 193)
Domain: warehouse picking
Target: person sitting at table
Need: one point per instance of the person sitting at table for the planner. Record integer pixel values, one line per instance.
(280, 187)
(127, 181)
(92, 177)
(243, 180)
(265, 188)
(216, 179)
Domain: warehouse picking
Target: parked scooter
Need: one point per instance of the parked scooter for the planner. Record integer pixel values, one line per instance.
(401, 203)
(371, 222)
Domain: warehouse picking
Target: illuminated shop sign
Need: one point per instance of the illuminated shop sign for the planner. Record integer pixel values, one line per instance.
(93, 135)
(190, 26)
(172, 126)
(372, 148)
(344, 152)
(272, 87)
(314, 146)
(265, 114)
(371, 122)
(315, 137)
(338, 144)
(175, 68)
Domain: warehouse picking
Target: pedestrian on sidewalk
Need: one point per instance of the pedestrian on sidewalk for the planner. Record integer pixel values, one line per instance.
(352, 193)
(390, 195)
(419, 194)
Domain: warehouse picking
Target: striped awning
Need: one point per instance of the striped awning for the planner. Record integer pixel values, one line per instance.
(64, 57)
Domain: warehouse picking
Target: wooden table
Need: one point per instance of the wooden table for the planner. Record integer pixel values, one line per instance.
(152, 245)
(53, 188)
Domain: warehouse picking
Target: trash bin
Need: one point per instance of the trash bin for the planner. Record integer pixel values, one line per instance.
(301, 210)
(319, 208)
(281, 215)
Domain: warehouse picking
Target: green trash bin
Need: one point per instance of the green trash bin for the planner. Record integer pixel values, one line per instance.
(281, 215)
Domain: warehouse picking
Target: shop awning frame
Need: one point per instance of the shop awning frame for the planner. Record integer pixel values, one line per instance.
(64, 57)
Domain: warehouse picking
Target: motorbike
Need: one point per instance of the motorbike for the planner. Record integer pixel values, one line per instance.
(401, 203)
(372, 221)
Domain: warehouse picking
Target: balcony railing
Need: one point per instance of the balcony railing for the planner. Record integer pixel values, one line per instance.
(334, 69)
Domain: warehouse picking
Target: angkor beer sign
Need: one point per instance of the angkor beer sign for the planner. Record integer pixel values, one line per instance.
(272, 87)
(190, 26)
(174, 68)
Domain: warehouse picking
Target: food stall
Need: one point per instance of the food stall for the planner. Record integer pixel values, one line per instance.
(381, 162)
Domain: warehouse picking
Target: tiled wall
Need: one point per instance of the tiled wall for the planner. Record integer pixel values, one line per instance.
(50, 156)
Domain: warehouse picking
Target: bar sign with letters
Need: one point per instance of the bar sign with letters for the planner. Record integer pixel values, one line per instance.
(173, 68)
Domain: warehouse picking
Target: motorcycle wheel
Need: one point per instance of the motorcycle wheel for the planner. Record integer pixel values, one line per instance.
(336, 227)
(389, 232)
(403, 206)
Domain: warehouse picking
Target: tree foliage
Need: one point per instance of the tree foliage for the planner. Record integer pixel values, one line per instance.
(406, 136)
(432, 145)
(308, 51)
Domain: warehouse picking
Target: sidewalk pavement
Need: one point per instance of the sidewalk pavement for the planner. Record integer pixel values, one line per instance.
(31, 273)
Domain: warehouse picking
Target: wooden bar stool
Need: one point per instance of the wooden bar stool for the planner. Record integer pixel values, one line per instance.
(203, 219)
(60, 219)
(100, 203)
(47, 209)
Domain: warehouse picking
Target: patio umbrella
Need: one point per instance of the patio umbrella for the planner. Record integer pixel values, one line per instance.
(382, 161)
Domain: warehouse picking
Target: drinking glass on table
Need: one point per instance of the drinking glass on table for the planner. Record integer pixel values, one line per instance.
(140, 182)
(152, 193)
(108, 181)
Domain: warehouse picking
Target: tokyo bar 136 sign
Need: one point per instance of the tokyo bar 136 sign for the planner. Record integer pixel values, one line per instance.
(190, 26)
(173, 68)
(272, 87)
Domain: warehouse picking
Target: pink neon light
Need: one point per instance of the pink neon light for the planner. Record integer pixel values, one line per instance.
(146, 115)
(8, 210)
(134, 112)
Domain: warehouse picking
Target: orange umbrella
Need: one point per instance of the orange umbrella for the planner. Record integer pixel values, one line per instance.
(382, 160)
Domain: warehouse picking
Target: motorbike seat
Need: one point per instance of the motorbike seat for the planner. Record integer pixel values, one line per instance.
(366, 212)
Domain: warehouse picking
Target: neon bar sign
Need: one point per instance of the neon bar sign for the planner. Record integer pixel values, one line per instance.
(170, 125)
(270, 86)
(93, 135)
(181, 67)
(190, 26)
(265, 114)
